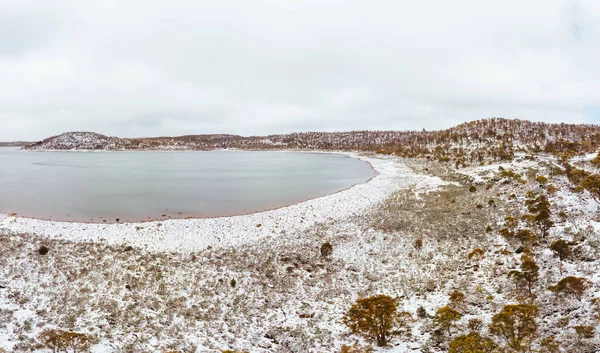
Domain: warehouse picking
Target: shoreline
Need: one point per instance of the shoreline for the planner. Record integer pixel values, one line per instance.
(103, 221)
(196, 234)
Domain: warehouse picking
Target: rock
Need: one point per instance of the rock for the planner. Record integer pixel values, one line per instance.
(352, 268)
(372, 277)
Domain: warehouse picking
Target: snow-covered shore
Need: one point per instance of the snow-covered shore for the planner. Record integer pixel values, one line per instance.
(188, 235)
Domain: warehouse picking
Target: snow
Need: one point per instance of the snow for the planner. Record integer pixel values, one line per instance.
(366, 260)
(482, 174)
(190, 235)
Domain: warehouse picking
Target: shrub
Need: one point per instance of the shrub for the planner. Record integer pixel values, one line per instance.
(506, 233)
(326, 249)
(476, 254)
(445, 319)
(457, 300)
(376, 318)
(541, 206)
(563, 215)
(585, 332)
(528, 276)
(526, 236)
(516, 325)
(541, 179)
(591, 183)
(475, 325)
(472, 343)
(356, 348)
(472, 188)
(421, 312)
(511, 222)
(549, 345)
(596, 305)
(43, 250)
(571, 286)
(418, 244)
(512, 175)
(561, 249)
(59, 341)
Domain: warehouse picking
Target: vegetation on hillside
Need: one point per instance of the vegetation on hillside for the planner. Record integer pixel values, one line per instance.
(504, 259)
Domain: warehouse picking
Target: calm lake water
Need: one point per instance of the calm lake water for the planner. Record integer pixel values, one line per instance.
(135, 186)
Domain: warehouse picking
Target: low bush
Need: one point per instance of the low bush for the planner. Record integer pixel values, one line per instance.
(65, 341)
(571, 285)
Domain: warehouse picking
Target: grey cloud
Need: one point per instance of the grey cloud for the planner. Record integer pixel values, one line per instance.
(141, 68)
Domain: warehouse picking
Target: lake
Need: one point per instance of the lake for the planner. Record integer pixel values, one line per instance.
(137, 186)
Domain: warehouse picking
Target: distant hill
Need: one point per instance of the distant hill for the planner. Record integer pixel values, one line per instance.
(94, 141)
(471, 142)
(15, 143)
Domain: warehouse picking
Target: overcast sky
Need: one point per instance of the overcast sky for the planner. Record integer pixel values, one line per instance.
(147, 68)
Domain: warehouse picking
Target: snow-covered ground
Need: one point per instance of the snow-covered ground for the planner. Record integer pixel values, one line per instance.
(268, 289)
(190, 235)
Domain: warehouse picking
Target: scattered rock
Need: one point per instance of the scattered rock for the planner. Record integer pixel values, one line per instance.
(326, 249)
(352, 268)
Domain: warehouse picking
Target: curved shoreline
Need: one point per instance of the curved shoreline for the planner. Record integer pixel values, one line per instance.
(189, 235)
(103, 221)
